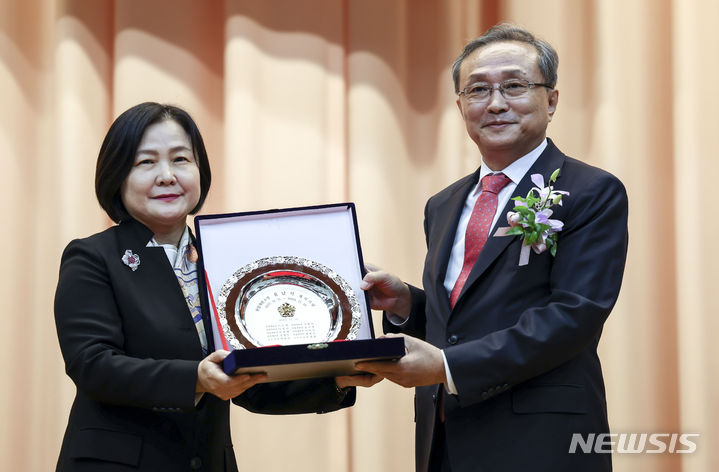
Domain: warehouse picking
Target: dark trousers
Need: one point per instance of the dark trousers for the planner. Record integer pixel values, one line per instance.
(439, 456)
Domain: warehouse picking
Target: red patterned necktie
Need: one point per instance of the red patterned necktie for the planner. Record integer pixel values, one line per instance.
(480, 223)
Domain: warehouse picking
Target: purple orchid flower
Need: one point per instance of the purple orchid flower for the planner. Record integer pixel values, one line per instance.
(543, 218)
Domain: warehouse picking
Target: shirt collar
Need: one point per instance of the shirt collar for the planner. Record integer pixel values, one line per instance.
(517, 169)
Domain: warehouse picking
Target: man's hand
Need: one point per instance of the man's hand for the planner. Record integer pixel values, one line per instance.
(212, 379)
(386, 292)
(359, 380)
(423, 364)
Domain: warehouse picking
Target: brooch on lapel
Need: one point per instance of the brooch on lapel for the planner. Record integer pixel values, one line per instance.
(530, 218)
(131, 260)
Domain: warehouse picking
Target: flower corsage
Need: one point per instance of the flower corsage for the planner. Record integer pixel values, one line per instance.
(531, 218)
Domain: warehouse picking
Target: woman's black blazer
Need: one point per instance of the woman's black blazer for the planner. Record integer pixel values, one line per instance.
(132, 350)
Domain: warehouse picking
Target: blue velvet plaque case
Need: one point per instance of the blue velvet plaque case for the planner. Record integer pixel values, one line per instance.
(303, 361)
(280, 290)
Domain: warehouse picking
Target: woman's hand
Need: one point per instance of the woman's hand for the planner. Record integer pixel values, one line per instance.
(212, 379)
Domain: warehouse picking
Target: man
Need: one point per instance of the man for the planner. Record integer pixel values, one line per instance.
(509, 370)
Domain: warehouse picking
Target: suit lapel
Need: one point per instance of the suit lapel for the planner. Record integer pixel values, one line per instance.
(445, 224)
(154, 271)
(551, 159)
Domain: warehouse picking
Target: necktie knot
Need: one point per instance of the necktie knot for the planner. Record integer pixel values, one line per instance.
(493, 183)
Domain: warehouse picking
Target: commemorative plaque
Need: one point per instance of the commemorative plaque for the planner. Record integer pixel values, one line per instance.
(287, 300)
(281, 292)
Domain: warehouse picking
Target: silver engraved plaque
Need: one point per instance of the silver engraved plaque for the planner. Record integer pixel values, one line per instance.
(286, 300)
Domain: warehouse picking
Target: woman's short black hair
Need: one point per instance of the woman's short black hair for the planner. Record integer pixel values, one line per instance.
(117, 153)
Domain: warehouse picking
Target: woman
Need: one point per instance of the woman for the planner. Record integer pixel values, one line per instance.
(148, 397)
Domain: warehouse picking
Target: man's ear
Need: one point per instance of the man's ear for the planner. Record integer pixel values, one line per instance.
(553, 98)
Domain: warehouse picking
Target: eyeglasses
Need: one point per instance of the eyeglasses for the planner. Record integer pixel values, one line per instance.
(510, 89)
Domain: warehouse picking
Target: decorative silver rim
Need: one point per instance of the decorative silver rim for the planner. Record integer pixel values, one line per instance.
(222, 295)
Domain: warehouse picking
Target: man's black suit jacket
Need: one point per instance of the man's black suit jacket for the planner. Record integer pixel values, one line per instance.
(521, 342)
(132, 350)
